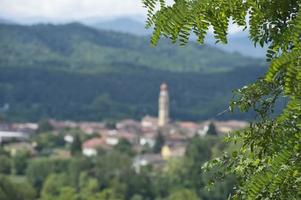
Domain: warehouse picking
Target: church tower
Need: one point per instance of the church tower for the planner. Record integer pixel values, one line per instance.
(163, 117)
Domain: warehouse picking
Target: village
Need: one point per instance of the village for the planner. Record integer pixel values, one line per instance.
(143, 136)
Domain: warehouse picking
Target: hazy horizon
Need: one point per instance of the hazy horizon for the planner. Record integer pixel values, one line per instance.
(54, 11)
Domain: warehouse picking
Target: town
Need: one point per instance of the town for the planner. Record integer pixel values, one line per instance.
(153, 139)
(150, 100)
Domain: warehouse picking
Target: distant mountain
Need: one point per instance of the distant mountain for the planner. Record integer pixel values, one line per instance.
(5, 21)
(76, 72)
(238, 42)
(125, 25)
(77, 47)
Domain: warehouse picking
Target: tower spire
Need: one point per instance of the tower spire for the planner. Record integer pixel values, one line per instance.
(163, 117)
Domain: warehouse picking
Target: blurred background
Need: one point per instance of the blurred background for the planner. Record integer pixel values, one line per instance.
(90, 110)
(84, 57)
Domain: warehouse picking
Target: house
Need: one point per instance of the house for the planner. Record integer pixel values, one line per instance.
(60, 125)
(111, 140)
(25, 127)
(91, 127)
(110, 137)
(175, 151)
(222, 127)
(189, 128)
(129, 136)
(231, 125)
(90, 147)
(147, 139)
(129, 125)
(149, 123)
(143, 160)
(68, 138)
(13, 148)
(12, 135)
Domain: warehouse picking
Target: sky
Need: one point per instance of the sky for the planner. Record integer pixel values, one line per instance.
(61, 11)
(68, 10)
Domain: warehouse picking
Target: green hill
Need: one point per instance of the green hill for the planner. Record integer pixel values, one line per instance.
(81, 48)
(76, 72)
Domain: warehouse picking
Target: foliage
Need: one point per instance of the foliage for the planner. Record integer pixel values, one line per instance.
(19, 162)
(268, 163)
(110, 175)
(124, 146)
(183, 194)
(38, 170)
(110, 124)
(76, 145)
(76, 166)
(110, 166)
(73, 72)
(194, 96)
(53, 185)
(212, 129)
(108, 195)
(44, 126)
(75, 47)
(5, 166)
(88, 187)
(16, 191)
(2, 151)
(141, 184)
(187, 173)
(48, 140)
(159, 142)
(67, 193)
(137, 197)
(199, 151)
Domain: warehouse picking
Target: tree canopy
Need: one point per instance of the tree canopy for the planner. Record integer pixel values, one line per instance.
(107, 64)
(268, 165)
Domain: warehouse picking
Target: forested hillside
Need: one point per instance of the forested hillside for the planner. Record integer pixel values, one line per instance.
(238, 41)
(76, 72)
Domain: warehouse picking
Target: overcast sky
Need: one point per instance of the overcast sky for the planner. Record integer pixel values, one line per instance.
(68, 10)
(60, 11)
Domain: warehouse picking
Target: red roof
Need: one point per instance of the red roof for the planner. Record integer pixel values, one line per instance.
(189, 125)
(94, 143)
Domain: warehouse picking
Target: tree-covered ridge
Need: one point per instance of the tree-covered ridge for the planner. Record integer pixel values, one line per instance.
(75, 72)
(77, 47)
(268, 163)
(35, 93)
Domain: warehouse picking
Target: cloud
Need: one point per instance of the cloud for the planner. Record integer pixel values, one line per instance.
(68, 10)
(32, 11)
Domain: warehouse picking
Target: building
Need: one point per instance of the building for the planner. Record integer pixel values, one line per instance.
(13, 148)
(154, 160)
(90, 147)
(163, 117)
(149, 124)
(12, 135)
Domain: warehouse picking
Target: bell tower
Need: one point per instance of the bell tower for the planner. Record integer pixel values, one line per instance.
(163, 117)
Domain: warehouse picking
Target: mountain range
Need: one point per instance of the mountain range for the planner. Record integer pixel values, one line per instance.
(237, 42)
(122, 24)
(77, 72)
(5, 21)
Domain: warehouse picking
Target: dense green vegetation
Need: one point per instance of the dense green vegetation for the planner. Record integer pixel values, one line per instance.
(268, 164)
(110, 175)
(75, 72)
(42, 93)
(79, 48)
